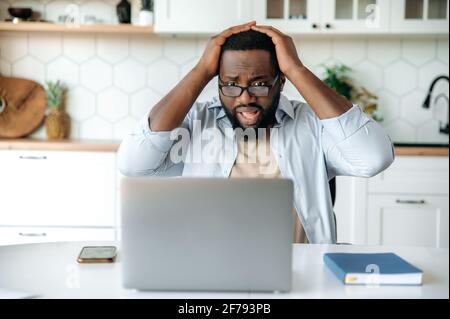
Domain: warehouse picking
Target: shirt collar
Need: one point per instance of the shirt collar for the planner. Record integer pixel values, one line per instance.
(285, 107)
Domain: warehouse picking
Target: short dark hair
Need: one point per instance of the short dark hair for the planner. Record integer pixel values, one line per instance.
(252, 40)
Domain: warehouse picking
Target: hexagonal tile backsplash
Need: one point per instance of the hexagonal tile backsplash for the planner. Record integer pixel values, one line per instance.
(115, 79)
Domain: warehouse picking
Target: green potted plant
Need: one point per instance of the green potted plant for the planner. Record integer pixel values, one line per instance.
(57, 121)
(337, 77)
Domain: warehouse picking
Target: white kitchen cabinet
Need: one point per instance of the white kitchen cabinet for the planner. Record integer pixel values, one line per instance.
(411, 220)
(420, 16)
(413, 175)
(290, 16)
(304, 16)
(324, 16)
(57, 189)
(355, 16)
(407, 204)
(200, 16)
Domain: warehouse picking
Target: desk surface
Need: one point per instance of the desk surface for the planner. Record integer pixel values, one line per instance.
(50, 270)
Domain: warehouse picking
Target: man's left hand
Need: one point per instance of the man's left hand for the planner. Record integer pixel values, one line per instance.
(287, 56)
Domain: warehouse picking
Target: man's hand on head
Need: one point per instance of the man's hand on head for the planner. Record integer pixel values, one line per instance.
(209, 62)
(287, 55)
(325, 102)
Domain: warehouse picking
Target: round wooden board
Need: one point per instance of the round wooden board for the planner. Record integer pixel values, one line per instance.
(26, 103)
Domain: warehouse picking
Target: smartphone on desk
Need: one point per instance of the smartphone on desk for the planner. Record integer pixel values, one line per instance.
(97, 254)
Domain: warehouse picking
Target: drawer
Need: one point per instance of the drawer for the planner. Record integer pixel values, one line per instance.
(413, 175)
(408, 220)
(28, 235)
(57, 189)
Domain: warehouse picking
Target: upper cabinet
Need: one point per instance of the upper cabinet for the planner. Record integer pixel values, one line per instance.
(200, 16)
(304, 16)
(324, 16)
(355, 16)
(420, 16)
(291, 16)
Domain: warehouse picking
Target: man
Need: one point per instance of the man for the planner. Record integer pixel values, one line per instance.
(309, 143)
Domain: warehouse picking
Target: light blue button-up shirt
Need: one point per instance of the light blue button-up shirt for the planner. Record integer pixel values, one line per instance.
(309, 151)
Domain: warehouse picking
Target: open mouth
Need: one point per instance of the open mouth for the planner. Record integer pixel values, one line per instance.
(248, 115)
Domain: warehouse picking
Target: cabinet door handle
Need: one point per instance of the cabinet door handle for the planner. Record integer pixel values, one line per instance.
(413, 202)
(315, 26)
(33, 157)
(33, 234)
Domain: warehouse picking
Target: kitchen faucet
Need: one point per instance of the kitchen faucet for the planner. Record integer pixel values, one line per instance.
(426, 104)
(443, 129)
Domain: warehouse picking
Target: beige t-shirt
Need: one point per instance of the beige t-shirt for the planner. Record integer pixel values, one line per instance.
(256, 160)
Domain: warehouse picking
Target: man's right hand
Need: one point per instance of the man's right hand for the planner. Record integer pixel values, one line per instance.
(209, 62)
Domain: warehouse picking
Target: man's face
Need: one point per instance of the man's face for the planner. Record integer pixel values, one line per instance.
(250, 68)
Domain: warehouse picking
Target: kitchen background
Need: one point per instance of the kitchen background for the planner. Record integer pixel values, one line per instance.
(114, 79)
(116, 73)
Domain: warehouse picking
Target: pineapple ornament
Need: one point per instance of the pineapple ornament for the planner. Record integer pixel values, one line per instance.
(57, 122)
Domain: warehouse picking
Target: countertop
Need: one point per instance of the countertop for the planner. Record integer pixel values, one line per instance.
(421, 151)
(50, 270)
(113, 145)
(60, 145)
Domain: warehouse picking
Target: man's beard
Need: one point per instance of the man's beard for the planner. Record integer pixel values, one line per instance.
(267, 120)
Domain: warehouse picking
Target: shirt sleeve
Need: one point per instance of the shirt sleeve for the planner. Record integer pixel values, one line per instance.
(145, 152)
(355, 145)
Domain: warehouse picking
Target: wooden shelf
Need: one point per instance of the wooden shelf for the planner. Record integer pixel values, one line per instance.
(87, 28)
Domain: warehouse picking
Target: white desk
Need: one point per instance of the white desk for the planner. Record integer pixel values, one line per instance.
(51, 271)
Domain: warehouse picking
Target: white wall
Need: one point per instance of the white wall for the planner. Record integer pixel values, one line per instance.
(115, 79)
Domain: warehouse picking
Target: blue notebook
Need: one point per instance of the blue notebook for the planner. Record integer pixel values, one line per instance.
(372, 269)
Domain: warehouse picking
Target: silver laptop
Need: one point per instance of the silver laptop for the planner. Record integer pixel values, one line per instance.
(207, 234)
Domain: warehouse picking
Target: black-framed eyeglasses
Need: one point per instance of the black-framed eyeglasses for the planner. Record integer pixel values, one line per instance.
(253, 90)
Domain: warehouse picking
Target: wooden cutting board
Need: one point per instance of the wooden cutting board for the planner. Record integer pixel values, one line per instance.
(23, 106)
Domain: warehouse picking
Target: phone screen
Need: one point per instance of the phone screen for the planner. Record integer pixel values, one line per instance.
(97, 254)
